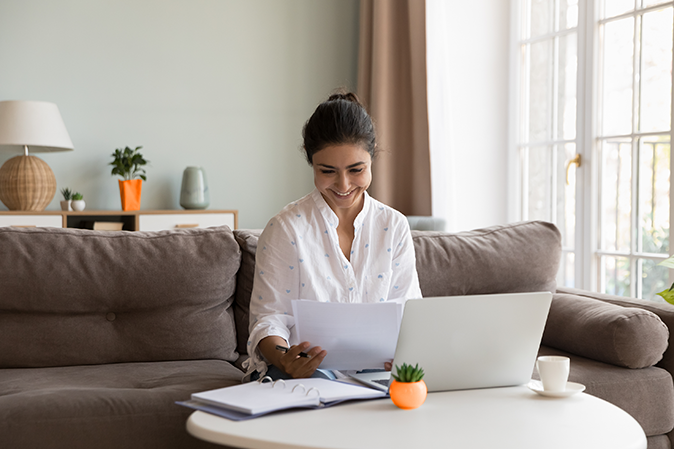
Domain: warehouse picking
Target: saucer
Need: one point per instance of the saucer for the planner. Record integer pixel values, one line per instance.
(571, 389)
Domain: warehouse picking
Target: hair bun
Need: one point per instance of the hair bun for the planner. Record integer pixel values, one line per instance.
(341, 119)
(347, 96)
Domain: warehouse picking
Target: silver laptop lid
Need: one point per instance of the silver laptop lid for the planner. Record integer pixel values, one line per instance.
(480, 341)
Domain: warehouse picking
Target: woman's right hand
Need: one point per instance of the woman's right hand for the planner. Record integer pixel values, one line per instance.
(298, 367)
(291, 362)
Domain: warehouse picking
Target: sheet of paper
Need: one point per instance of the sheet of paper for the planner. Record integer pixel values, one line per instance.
(356, 336)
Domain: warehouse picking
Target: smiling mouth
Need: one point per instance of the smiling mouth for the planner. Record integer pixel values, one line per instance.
(343, 195)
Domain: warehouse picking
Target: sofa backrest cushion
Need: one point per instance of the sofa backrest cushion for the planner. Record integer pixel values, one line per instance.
(624, 336)
(78, 297)
(519, 257)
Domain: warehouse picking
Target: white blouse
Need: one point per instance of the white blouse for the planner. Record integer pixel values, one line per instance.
(299, 257)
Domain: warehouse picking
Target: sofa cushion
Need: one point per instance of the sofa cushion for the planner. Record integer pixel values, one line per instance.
(126, 405)
(247, 240)
(623, 336)
(518, 257)
(76, 297)
(664, 310)
(646, 394)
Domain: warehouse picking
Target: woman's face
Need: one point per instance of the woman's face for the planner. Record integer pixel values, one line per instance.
(342, 173)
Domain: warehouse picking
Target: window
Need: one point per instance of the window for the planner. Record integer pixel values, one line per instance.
(547, 137)
(633, 145)
(596, 89)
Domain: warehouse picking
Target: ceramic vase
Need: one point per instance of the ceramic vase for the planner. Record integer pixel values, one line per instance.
(408, 395)
(194, 189)
(66, 205)
(78, 205)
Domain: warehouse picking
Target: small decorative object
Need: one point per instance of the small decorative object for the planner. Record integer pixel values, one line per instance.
(67, 198)
(77, 202)
(194, 189)
(408, 390)
(26, 181)
(128, 164)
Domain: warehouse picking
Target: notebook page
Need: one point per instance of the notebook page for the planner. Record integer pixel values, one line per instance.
(331, 390)
(255, 397)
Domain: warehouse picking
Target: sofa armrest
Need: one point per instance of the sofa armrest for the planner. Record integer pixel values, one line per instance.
(663, 310)
(628, 337)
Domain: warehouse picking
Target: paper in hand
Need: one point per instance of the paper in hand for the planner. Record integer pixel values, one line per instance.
(355, 336)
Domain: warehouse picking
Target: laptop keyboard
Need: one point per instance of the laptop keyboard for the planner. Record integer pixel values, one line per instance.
(384, 382)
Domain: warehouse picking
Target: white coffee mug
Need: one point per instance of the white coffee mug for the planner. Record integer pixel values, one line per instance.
(554, 372)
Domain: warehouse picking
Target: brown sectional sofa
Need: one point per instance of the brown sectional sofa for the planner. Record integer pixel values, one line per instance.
(100, 333)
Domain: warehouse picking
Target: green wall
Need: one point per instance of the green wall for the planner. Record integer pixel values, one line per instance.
(222, 84)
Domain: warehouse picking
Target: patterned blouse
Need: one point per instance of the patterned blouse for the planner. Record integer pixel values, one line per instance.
(299, 257)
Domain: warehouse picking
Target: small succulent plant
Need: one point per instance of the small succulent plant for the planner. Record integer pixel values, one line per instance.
(406, 373)
(77, 196)
(67, 194)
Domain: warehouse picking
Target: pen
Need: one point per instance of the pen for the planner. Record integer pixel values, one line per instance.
(284, 349)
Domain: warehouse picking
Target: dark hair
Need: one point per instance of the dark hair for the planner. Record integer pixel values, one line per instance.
(341, 119)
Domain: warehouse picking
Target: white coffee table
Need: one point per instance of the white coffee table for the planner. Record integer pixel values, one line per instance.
(513, 417)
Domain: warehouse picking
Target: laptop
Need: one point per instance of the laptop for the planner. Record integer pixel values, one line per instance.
(467, 342)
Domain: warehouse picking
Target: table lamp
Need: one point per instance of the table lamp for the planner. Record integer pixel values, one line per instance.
(27, 182)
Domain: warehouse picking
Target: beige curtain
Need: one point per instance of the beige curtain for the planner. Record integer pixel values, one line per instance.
(392, 85)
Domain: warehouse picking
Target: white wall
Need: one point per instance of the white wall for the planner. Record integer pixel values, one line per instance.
(222, 84)
(468, 91)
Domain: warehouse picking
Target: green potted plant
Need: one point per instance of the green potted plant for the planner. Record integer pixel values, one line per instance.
(78, 203)
(408, 390)
(67, 198)
(128, 163)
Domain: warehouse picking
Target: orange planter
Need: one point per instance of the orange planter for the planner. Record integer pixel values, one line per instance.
(408, 395)
(129, 192)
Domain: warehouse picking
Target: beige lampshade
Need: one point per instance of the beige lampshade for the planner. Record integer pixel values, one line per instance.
(27, 182)
(37, 124)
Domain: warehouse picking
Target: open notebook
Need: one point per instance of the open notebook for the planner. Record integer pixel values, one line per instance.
(259, 398)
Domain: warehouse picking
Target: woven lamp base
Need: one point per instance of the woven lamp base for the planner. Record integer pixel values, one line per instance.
(26, 183)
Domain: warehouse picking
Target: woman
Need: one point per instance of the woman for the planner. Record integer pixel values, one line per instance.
(336, 244)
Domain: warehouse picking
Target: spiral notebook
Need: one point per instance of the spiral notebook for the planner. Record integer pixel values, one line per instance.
(258, 398)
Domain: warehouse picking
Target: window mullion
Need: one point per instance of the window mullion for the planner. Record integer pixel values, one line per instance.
(634, 219)
(554, 108)
(671, 171)
(526, 93)
(588, 265)
(636, 78)
(635, 284)
(524, 128)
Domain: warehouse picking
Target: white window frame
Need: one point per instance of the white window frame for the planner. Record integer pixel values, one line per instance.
(586, 244)
(583, 273)
(633, 255)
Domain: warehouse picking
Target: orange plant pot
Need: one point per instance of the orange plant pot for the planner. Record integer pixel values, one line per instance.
(129, 191)
(408, 395)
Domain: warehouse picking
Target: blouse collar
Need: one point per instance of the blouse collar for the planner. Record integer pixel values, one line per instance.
(331, 217)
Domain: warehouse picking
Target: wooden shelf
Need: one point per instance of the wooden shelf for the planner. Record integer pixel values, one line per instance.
(132, 220)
